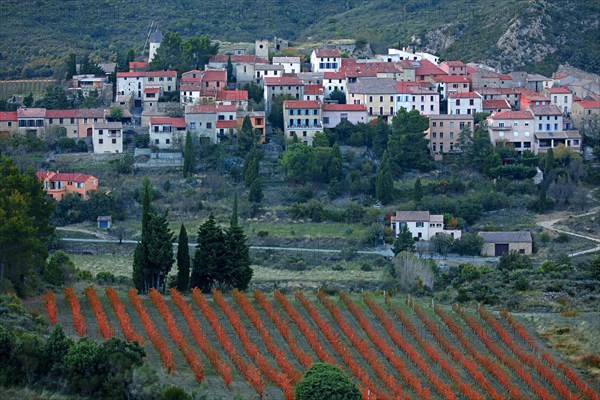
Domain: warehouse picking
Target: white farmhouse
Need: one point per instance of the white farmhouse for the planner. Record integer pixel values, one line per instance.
(421, 224)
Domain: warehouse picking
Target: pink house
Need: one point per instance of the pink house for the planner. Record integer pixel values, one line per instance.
(333, 114)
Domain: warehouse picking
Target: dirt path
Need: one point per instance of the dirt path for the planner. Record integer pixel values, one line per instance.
(547, 221)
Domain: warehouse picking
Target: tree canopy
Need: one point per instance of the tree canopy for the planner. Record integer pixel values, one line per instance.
(326, 382)
(24, 230)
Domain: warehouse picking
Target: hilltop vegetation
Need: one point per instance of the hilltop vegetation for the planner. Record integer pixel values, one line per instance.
(509, 34)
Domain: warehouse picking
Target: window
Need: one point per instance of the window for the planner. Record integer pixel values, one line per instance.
(192, 125)
(381, 99)
(419, 224)
(100, 141)
(471, 102)
(79, 185)
(441, 135)
(60, 121)
(326, 120)
(100, 132)
(451, 135)
(434, 135)
(462, 126)
(441, 124)
(114, 141)
(167, 141)
(370, 99)
(433, 147)
(434, 124)
(208, 125)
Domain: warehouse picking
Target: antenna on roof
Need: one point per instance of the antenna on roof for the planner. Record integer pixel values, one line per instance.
(151, 28)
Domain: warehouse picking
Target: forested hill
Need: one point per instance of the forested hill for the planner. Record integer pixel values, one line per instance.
(37, 34)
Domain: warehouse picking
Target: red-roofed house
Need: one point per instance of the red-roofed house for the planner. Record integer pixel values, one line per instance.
(454, 67)
(258, 121)
(313, 92)
(425, 69)
(492, 106)
(302, 119)
(167, 133)
(586, 114)
(289, 85)
(333, 114)
(243, 65)
(58, 184)
(8, 123)
(444, 132)
(465, 103)
(333, 81)
(201, 120)
(530, 98)
(561, 98)
(325, 60)
(238, 98)
(450, 84)
(31, 120)
(516, 127)
(226, 120)
(138, 66)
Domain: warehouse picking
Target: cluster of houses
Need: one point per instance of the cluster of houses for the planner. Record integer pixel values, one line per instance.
(529, 111)
(424, 226)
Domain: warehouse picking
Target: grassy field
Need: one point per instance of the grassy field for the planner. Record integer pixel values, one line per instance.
(374, 336)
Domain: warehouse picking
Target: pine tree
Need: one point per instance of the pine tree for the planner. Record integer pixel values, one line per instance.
(209, 260)
(189, 156)
(384, 184)
(404, 241)
(183, 261)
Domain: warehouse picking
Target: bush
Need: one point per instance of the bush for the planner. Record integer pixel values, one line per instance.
(105, 278)
(562, 238)
(175, 393)
(262, 234)
(326, 382)
(59, 269)
(512, 261)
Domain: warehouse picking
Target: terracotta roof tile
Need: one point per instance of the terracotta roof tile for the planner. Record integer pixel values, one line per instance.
(328, 53)
(300, 104)
(175, 122)
(230, 124)
(344, 107)
(284, 80)
(8, 115)
(512, 115)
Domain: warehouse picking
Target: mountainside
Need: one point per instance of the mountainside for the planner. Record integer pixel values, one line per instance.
(508, 34)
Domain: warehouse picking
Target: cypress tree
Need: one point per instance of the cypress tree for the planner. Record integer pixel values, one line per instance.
(237, 272)
(183, 261)
(189, 156)
(234, 212)
(418, 191)
(160, 251)
(255, 195)
(251, 167)
(384, 184)
(335, 164)
(209, 259)
(246, 137)
(141, 267)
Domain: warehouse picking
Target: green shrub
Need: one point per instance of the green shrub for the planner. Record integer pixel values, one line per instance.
(562, 238)
(59, 269)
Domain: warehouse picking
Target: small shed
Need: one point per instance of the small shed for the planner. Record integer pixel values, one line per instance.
(497, 243)
(104, 222)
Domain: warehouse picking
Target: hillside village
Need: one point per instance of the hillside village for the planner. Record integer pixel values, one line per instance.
(418, 197)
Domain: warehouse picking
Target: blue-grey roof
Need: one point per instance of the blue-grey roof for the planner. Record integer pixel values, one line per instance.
(506, 237)
(156, 36)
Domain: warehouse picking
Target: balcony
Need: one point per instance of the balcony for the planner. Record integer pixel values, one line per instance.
(499, 128)
(315, 126)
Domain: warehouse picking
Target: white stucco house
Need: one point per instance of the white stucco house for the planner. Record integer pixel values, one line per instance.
(421, 224)
(107, 137)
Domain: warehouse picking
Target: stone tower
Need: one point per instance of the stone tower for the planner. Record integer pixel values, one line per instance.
(155, 39)
(261, 48)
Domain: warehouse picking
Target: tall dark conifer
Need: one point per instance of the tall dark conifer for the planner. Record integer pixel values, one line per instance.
(209, 260)
(183, 261)
(237, 272)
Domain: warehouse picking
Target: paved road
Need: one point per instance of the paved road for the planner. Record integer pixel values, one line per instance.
(383, 252)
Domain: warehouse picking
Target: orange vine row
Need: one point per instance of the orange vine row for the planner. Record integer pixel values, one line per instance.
(200, 338)
(122, 316)
(50, 302)
(159, 343)
(188, 353)
(78, 319)
(250, 372)
(283, 329)
(249, 310)
(104, 327)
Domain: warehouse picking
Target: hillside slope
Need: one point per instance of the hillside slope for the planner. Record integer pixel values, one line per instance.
(512, 34)
(508, 34)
